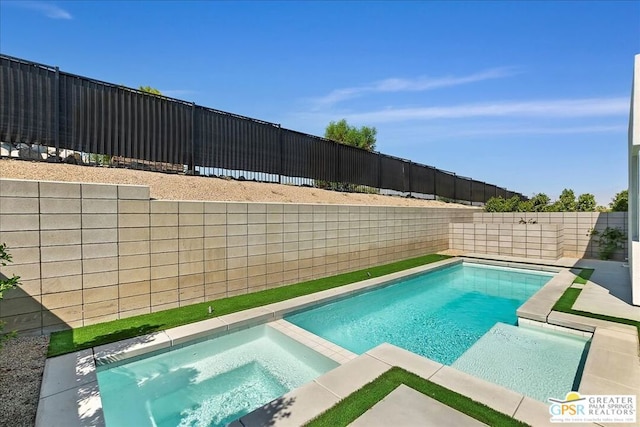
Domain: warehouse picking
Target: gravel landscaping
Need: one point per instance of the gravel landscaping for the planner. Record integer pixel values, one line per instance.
(181, 187)
(21, 367)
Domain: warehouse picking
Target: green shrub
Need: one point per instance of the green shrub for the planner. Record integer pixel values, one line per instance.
(6, 284)
(609, 241)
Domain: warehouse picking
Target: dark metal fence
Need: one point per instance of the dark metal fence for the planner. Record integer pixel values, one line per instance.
(53, 115)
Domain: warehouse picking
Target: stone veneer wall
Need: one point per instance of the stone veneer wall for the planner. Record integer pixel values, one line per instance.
(89, 253)
(543, 241)
(577, 240)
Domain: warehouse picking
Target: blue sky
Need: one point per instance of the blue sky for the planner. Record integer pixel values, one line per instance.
(533, 96)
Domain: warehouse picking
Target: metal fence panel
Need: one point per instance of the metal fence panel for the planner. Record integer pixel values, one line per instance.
(445, 184)
(463, 188)
(105, 119)
(357, 166)
(308, 156)
(490, 191)
(230, 142)
(501, 192)
(423, 179)
(477, 192)
(394, 173)
(40, 105)
(26, 102)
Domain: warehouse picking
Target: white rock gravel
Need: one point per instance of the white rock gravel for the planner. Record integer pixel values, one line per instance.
(181, 187)
(21, 366)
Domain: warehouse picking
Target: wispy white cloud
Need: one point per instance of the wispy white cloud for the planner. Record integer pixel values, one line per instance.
(410, 85)
(561, 108)
(49, 10)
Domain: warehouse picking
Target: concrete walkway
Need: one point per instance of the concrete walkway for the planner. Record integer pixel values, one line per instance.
(608, 291)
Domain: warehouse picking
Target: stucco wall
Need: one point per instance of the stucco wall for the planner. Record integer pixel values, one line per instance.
(89, 253)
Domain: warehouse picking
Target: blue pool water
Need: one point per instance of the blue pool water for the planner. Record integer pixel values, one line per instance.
(464, 316)
(532, 361)
(210, 383)
(438, 315)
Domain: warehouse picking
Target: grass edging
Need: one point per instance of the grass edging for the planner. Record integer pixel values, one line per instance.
(583, 277)
(569, 297)
(85, 337)
(357, 403)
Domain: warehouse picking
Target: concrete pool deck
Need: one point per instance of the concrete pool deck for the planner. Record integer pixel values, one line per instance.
(70, 394)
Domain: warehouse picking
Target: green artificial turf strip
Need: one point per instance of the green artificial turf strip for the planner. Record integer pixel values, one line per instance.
(569, 297)
(103, 333)
(357, 403)
(566, 301)
(584, 276)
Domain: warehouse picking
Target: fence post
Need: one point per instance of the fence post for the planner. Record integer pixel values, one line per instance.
(192, 166)
(281, 143)
(455, 188)
(410, 178)
(56, 113)
(379, 171)
(336, 150)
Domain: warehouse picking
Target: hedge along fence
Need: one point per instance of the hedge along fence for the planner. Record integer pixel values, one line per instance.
(53, 111)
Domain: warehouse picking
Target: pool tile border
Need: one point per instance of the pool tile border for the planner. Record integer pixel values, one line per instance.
(319, 344)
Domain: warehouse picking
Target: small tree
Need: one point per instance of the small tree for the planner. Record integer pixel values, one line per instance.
(567, 201)
(6, 284)
(150, 89)
(342, 132)
(512, 204)
(620, 202)
(539, 202)
(586, 203)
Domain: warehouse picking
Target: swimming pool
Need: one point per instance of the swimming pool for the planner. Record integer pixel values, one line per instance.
(438, 315)
(210, 383)
(441, 315)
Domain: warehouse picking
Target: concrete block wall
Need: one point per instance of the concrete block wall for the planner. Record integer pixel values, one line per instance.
(542, 241)
(89, 253)
(577, 239)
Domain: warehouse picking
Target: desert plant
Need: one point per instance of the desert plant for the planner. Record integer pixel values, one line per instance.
(6, 284)
(609, 240)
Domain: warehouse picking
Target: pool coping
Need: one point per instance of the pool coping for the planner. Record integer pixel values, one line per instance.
(70, 395)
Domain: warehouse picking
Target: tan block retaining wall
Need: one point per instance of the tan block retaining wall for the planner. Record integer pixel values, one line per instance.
(577, 241)
(542, 241)
(88, 253)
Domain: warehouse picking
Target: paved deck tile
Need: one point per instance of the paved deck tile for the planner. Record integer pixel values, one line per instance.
(292, 409)
(247, 318)
(67, 371)
(499, 398)
(406, 360)
(194, 331)
(131, 347)
(351, 376)
(74, 407)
